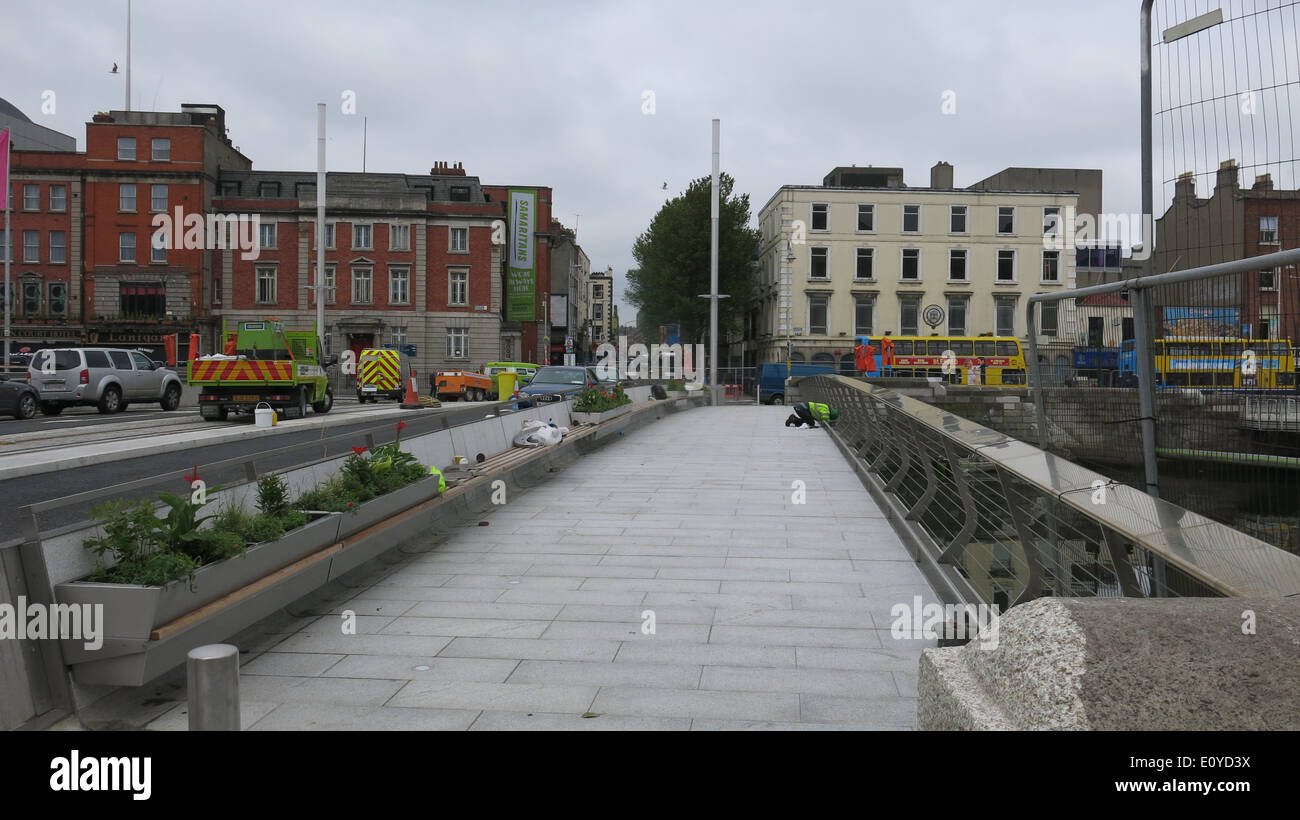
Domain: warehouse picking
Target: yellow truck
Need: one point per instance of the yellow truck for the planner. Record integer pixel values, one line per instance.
(382, 374)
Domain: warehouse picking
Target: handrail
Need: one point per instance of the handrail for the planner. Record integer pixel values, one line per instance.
(1062, 497)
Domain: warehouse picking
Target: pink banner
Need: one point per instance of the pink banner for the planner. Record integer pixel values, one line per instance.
(4, 175)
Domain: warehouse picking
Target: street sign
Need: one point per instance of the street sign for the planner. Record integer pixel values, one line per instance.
(932, 315)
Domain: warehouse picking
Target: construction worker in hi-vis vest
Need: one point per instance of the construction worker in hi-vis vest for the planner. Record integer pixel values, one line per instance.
(810, 413)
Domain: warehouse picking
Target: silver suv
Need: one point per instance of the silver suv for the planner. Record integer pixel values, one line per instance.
(105, 377)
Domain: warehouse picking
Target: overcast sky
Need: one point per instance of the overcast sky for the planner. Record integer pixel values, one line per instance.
(553, 93)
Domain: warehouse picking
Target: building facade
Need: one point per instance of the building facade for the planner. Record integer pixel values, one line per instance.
(865, 260)
(600, 303)
(570, 268)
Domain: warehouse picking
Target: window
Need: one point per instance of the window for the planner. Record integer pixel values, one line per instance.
(1051, 221)
(126, 247)
(957, 315)
(58, 197)
(31, 298)
(457, 342)
(58, 298)
(1268, 321)
(821, 215)
(58, 247)
(818, 310)
(1006, 266)
(1005, 309)
(361, 236)
(399, 286)
(31, 246)
(31, 197)
(957, 219)
(597, 291)
(909, 308)
(121, 359)
(911, 264)
(864, 309)
(1267, 230)
(158, 248)
(818, 263)
(1006, 219)
(866, 264)
(270, 190)
(158, 197)
(459, 240)
(1051, 266)
(362, 286)
(4, 243)
(329, 284)
(1268, 279)
(399, 237)
(460, 193)
(266, 235)
(162, 149)
(266, 285)
(866, 218)
(141, 299)
(126, 197)
(598, 311)
(1047, 318)
(458, 288)
(126, 148)
(911, 219)
(230, 188)
(956, 265)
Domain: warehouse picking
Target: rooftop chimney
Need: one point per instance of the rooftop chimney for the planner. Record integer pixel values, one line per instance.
(1263, 182)
(1227, 174)
(1185, 187)
(941, 175)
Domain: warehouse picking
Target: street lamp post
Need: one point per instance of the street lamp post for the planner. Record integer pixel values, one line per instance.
(786, 295)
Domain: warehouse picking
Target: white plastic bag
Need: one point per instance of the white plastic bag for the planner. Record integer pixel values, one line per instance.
(535, 433)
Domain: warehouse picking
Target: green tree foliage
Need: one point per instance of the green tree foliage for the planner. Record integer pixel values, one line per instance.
(673, 257)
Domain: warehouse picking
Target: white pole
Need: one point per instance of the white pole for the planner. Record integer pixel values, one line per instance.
(713, 264)
(320, 224)
(128, 55)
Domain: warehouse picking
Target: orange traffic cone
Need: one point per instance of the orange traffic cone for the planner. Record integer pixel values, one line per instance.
(411, 401)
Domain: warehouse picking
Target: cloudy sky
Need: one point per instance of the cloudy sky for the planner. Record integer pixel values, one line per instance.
(555, 93)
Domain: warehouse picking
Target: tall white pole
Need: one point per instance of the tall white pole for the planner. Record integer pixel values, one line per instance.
(128, 55)
(321, 295)
(713, 264)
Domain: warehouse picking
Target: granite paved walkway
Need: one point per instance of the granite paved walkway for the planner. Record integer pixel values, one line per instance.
(767, 613)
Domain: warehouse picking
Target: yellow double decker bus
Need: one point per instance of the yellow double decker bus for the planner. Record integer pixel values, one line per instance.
(952, 358)
(1250, 364)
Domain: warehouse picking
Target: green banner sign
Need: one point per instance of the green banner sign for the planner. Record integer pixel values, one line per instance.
(521, 270)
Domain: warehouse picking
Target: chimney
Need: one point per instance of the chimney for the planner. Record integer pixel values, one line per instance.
(1185, 187)
(1227, 174)
(1263, 182)
(941, 175)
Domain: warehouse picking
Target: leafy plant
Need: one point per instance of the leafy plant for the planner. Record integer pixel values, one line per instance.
(272, 495)
(181, 526)
(593, 400)
(676, 384)
(136, 538)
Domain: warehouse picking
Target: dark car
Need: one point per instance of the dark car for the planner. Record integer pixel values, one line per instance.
(557, 383)
(18, 398)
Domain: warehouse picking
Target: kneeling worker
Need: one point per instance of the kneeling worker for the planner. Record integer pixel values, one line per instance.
(810, 413)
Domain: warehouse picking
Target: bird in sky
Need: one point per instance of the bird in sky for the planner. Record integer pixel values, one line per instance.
(114, 71)
(665, 186)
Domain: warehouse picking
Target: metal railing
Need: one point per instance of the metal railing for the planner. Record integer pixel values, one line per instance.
(995, 520)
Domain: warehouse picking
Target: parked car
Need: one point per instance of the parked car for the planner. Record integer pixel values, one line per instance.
(556, 383)
(103, 377)
(771, 378)
(17, 398)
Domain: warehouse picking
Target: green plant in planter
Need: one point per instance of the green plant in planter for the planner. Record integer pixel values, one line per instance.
(676, 384)
(136, 538)
(592, 400)
(272, 495)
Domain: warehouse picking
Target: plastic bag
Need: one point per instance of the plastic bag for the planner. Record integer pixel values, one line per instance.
(535, 433)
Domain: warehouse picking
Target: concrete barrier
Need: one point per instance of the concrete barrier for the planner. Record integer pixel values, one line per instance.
(1122, 664)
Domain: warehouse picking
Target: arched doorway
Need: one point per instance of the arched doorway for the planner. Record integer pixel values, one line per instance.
(823, 359)
(848, 364)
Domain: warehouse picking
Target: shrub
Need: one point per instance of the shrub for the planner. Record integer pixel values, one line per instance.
(593, 400)
(272, 495)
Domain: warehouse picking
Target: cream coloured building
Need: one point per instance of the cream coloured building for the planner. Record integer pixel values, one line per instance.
(864, 254)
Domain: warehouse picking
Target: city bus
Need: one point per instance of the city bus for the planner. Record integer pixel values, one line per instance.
(923, 356)
(1215, 362)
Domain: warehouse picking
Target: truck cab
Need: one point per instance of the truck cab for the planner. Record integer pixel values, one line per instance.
(263, 364)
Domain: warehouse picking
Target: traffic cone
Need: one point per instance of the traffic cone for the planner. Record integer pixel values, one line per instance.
(411, 401)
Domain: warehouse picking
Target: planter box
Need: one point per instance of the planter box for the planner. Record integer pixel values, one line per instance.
(376, 510)
(132, 611)
(597, 418)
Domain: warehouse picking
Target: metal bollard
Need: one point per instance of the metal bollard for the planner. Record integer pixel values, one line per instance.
(212, 673)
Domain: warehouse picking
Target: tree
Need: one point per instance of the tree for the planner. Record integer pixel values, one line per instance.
(673, 257)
